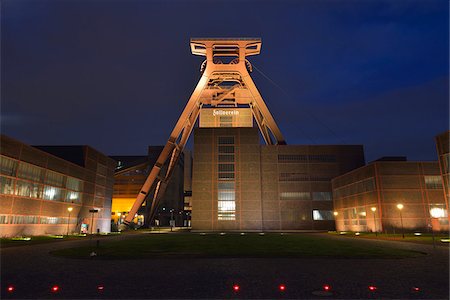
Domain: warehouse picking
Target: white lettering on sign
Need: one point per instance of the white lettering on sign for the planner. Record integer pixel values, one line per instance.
(225, 112)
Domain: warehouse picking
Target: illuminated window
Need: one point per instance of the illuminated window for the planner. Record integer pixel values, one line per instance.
(28, 171)
(8, 166)
(54, 178)
(322, 215)
(74, 184)
(438, 211)
(295, 196)
(6, 185)
(433, 182)
(28, 189)
(53, 193)
(322, 196)
(73, 197)
(226, 195)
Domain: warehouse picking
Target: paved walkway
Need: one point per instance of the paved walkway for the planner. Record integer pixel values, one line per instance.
(33, 271)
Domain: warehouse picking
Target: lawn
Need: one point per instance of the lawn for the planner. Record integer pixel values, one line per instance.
(39, 239)
(423, 238)
(233, 245)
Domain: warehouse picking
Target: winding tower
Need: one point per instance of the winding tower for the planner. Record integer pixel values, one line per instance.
(224, 87)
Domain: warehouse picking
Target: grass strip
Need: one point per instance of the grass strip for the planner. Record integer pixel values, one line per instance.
(233, 245)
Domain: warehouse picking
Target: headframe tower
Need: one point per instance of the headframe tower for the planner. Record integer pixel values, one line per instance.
(225, 82)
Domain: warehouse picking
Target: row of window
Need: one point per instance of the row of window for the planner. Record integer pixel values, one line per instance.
(11, 219)
(226, 187)
(301, 158)
(10, 186)
(317, 196)
(433, 182)
(293, 176)
(366, 185)
(23, 170)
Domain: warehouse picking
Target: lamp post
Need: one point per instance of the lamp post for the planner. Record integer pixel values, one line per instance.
(171, 219)
(400, 207)
(335, 213)
(435, 214)
(69, 209)
(374, 209)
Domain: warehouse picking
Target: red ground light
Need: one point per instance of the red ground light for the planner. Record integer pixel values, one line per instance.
(100, 288)
(372, 288)
(326, 287)
(282, 287)
(10, 289)
(55, 289)
(416, 289)
(236, 287)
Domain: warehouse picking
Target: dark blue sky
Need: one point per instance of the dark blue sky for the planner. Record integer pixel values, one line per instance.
(116, 74)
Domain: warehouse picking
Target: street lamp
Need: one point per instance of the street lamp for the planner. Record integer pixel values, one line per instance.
(171, 219)
(118, 218)
(374, 209)
(400, 207)
(335, 213)
(435, 213)
(69, 209)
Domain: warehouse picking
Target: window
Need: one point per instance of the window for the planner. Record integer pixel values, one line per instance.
(226, 149)
(7, 185)
(24, 219)
(3, 219)
(226, 193)
(226, 186)
(433, 182)
(74, 197)
(302, 158)
(53, 193)
(74, 184)
(28, 171)
(8, 166)
(226, 140)
(28, 189)
(226, 210)
(292, 158)
(301, 177)
(322, 196)
(226, 158)
(322, 215)
(295, 196)
(226, 121)
(54, 178)
(438, 211)
(226, 168)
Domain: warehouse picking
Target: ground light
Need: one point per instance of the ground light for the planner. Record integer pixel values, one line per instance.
(236, 288)
(282, 287)
(55, 289)
(100, 288)
(10, 288)
(326, 287)
(415, 289)
(372, 288)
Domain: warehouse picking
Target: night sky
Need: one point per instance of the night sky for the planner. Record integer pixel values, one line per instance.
(116, 75)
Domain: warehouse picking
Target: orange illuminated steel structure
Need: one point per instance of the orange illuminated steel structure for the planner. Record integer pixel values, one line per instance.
(225, 82)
